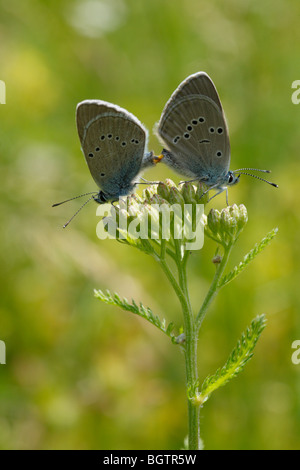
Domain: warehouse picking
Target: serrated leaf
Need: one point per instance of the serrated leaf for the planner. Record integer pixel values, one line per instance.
(248, 258)
(144, 312)
(236, 362)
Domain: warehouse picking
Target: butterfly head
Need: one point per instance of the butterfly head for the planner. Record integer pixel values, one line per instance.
(101, 198)
(232, 178)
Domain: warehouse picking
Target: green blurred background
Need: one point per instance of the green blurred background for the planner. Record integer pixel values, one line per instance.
(82, 375)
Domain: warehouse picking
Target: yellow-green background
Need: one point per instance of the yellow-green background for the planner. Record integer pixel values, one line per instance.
(82, 375)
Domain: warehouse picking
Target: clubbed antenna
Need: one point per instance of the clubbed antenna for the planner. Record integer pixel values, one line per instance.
(71, 199)
(67, 223)
(242, 171)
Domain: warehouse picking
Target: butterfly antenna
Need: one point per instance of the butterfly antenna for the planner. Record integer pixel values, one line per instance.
(257, 177)
(67, 223)
(252, 169)
(71, 199)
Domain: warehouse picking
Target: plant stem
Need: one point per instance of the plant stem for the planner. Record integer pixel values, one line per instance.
(181, 290)
(192, 379)
(175, 285)
(214, 289)
(191, 328)
(191, 339)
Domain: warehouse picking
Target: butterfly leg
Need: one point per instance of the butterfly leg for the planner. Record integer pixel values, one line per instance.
(219, 192)
(189, 181)
(148, 182)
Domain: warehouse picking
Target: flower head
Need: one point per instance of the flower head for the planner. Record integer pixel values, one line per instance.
(226, 225)
(164, 216)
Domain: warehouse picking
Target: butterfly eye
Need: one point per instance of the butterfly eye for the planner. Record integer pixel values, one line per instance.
(231, 178)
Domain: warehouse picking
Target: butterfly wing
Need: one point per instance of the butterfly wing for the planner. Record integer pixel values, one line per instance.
(193, 128)
(198, 84)
(113, 142)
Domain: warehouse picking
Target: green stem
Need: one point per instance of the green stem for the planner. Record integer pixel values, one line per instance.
(173, 281)
(214, 289)
(191, 329)
(191, 339)
(192, 380)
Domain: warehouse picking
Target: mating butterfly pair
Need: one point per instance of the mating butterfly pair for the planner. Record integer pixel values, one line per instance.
(192, 129)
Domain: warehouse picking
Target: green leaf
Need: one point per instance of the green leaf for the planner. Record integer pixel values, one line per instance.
(235, 363)
(144, 312)
(248, 258)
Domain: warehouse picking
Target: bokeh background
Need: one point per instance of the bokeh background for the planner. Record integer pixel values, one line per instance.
(82, 375)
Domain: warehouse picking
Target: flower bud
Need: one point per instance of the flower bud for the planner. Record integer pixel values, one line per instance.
(163, 191)
(137, 198)
(225, 220)
(176, 197)
(169, 183)
(213, 220)
(188, 193)
(234, 211)
(234, 215)
(201, 198)
(132, 210)
(149, 192)
(243, 216)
